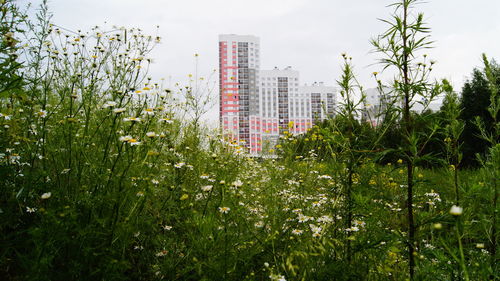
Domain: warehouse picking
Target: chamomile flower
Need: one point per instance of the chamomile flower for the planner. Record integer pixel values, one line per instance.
(5, 116)
(46, 195)
(134, 142)
(148, 111)
(224, 210)
(279, 278)
(301, 218)
(109, 104)
(207, 188)
(359, 223)
(130, 140)
(165, 120)
(42, 113)
(315, 228)
(179, 165)
(132, 119)
(125, 138)
(237, 183)
(325, 219)
(119, 110)
(456, 210)
(14, 158)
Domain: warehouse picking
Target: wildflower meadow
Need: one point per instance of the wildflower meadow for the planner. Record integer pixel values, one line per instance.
(106, 174)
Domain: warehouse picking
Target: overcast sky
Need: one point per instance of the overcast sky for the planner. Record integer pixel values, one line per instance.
(309, 35)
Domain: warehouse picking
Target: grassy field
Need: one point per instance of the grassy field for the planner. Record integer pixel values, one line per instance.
(104, 177)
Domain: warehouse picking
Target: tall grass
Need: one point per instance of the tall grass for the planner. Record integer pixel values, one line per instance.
(108, 175)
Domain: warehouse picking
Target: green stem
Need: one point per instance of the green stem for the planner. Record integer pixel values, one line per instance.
(462, 257)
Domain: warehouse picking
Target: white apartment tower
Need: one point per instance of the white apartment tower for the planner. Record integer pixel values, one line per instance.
(278, 87)
(322, 100)
(283, 108)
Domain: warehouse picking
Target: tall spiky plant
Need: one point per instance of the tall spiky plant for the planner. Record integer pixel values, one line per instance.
(348, 85)
(400, 43)
(453, 131)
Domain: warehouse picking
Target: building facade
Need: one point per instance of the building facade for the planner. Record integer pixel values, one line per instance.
(376, 104)
(257, 106)
(279, 92)
(239, 66)
(322, 101)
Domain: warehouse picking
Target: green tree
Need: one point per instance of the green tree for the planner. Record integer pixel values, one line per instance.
(492, 165)
(474, 102)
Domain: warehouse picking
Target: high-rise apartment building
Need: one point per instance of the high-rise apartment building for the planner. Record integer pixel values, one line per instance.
(322, 100)
(239, 63)
(282, 108)
(257, 106)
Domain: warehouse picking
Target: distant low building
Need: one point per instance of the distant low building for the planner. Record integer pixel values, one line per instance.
(375, 105)
(377, 102)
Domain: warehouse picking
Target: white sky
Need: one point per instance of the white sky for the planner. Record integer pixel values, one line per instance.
(308, 35)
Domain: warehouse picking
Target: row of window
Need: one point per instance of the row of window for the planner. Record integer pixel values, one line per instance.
(281, 78)
(269, 84)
